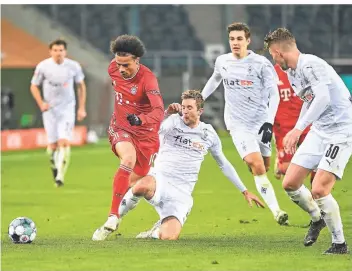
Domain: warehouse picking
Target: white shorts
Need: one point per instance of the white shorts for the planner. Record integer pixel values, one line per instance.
(247, 143)
(329, 154)
(168, 200)
(59, 124)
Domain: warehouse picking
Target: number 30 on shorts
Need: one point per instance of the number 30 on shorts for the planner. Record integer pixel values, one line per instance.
(332, 151)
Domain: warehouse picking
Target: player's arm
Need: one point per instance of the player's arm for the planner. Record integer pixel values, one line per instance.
(270, 82)
(174, 108)
(81, 93)
(317, 99)
(213, 82)
(318, 90)
(36, 81)
(230, 172)
(156, 102)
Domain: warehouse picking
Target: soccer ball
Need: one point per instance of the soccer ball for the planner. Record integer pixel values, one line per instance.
(22, 230)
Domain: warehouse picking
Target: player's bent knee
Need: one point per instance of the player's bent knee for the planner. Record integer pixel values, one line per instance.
(170, 228)
(319, 192)
(168, 236)
(288, 184)
(63, 143)
(52, 146)
(145, 186)
(128, 160)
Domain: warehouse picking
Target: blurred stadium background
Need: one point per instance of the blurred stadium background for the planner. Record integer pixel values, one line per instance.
(182, 42)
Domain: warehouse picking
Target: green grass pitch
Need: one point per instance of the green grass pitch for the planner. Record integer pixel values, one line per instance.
(221, 233)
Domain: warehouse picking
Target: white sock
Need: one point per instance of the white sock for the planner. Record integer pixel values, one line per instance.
(303, 198)
(67, 157)
(267, 192)
(332, 217)
(60, 163)
(156, 233)
(128, 202)
(52, 156)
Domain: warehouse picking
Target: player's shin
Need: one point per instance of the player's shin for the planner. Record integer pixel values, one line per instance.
(266, 190)
(60, 164)
(120, 187)
(52, 153)
(67, 157)
(128, 202)
(332, 218)
(303, 198)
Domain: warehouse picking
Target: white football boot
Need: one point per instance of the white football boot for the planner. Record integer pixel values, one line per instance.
(153, 233)
(282, 218)
(109, 227)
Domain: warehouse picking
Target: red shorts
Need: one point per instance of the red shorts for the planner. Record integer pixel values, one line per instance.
(145, 151)
(280, 132)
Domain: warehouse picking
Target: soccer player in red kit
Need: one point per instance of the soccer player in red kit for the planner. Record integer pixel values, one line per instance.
(286, 117)
(135, 122)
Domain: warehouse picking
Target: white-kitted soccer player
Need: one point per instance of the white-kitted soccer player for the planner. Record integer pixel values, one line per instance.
(56, 76)
(328, 145)
(184, 141)
(251, 102)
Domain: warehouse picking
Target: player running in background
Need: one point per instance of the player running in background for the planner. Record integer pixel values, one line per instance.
(56, 76)
(285, 120)
(251, 101)
(184, 143)
(328, 145)
(133, 130)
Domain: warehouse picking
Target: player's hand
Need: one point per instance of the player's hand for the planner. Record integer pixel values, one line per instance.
(81, 114)
(251, 197)
(267, 129)
(44, 106)
(133, 119)
(290, 141)
(174, 108)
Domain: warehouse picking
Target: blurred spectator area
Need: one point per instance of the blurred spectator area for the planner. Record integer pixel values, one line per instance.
(161, 27)
(324, 30)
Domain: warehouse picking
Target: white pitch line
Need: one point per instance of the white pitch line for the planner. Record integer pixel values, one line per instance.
(25, 156)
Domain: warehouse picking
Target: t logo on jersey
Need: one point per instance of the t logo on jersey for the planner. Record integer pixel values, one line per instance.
(285, 94)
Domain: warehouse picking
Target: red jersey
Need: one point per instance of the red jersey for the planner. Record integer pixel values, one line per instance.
(139, 95)
(290, 105)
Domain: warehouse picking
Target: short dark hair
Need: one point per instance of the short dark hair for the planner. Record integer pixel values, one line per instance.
(58, 42)
(280, 35)
(239, 27)
(127, 44)
(196, 95)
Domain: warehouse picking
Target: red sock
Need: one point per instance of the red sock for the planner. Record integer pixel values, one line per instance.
(120, 187)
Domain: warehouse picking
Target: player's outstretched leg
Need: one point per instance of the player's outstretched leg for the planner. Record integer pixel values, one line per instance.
(62, 161)
(321, 189)
(67, 158)
(300, 194)
(264, 186)
(153, 233)
(52, 153)
(120, 185)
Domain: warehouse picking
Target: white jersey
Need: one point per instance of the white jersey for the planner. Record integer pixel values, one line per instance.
(57, 81)
(251, 96)
(307, 80)
(182, 150)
